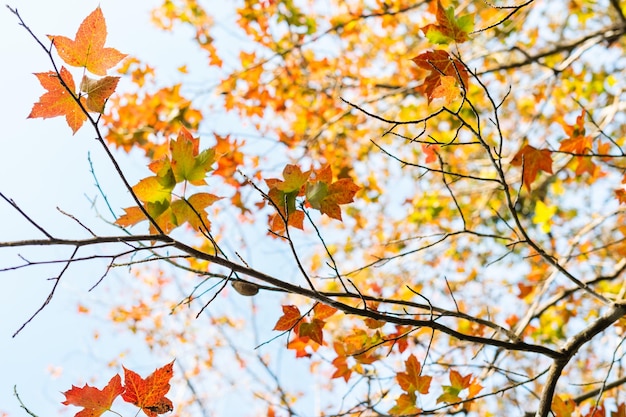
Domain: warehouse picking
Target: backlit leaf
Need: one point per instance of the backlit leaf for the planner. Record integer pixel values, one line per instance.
(149, 393)
(405, 405)
(411, 380)
(58, 101)
(192, 210)
(532, 160)
(87, 48)
(187, 163)
(98, 91)
(449, 28)
(440, 64)
(291, 316)
(561, 407)
(95, 401)
(313, 330)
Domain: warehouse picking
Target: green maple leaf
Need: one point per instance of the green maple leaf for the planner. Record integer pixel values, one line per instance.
(187, 163)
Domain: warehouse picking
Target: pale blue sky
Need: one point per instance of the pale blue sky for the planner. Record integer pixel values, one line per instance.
(43, 166)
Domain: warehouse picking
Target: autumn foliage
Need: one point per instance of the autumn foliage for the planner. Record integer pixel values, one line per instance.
(443, 181)
(148, 394)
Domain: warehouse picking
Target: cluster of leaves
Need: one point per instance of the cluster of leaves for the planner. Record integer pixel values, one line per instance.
(185, 165)
(413, 381)
(87, 51)
(308, 333)
(474, 194)
(320, 192)
(146, 393)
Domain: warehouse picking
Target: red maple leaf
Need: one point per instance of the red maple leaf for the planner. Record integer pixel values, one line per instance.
(149, 394)
(532, 160)
(58, 101)
(95, 401)
(440, 64)
(87, 49)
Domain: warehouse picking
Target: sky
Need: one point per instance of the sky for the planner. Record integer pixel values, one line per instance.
(42, 167)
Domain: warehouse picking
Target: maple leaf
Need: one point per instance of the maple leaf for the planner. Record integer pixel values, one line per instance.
(152, 190)
(187, 163)
(448, 27)
(87, 49)
(192, 210)
(58, 101)
(323, 311)
(578, 144)
(326, 197)
(98, 91)
(342, 369)
(457, 384)
(440, 64)
(149, 394)
(295, 219)
(431, 152)
(313, 330)
(532, 161)
(562, 408)
(405, 405)
(283, 194)
(291, 316)
(300, 344)
(131, 216)
(95, 401)
(411, 380)
(447, 91)
(294, 179)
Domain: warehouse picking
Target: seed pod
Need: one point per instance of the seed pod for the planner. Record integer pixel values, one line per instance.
(244, 288)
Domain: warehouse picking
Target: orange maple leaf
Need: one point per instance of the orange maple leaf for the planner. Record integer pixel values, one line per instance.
(58, 101)
(291, 316)
(411, 380)
(342, 368)
(447, 91)
(430, 150)
(323, 311)
(87, 50)
(149, 394)
(95, 401)
(299, 344)
(440, 64)
(532, 160)
(563, 408)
